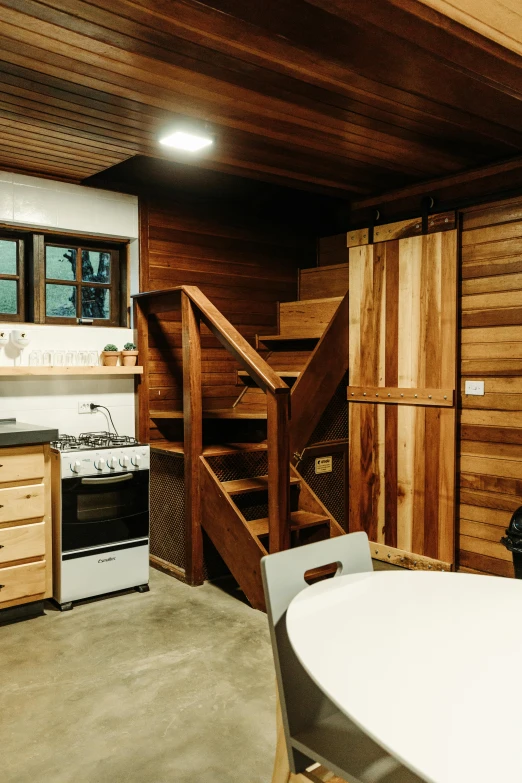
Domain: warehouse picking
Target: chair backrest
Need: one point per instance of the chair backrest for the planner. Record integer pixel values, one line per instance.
(283, 572)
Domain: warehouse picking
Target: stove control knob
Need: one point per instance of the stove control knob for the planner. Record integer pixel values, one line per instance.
(112, 462)
(99, 464)
(136, 459)
(76, 466)
(124, 462)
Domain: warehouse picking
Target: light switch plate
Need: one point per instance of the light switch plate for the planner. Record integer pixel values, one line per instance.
(474, 387)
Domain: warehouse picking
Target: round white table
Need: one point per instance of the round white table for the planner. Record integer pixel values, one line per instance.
(428, 664)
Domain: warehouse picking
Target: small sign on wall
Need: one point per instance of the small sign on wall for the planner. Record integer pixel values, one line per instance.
(323, 465)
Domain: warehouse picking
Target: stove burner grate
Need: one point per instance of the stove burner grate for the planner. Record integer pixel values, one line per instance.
(92, 440)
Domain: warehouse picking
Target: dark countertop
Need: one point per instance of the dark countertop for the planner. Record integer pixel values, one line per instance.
(16, 433)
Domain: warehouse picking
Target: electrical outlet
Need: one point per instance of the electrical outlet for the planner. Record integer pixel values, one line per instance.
(474, 387)
(84, 407)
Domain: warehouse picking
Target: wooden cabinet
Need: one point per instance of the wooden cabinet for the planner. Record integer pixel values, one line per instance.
(25, 525)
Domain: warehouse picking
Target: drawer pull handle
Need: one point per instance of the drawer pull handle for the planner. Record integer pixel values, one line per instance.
(2, 546)
(1, 586)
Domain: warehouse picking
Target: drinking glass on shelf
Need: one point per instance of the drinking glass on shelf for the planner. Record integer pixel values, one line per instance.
(70, 358)
(35, 358)
(47, 358)
(59, 359)
(83, 358)
(94, 359)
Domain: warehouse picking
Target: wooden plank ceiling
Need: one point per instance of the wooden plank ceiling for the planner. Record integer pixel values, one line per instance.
(346, 98)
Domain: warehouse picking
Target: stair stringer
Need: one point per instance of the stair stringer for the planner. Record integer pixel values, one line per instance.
(319, 380)
(308, 501)
(229, 532)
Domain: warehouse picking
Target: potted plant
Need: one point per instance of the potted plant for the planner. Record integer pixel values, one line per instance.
(129, 355)
(110, 355)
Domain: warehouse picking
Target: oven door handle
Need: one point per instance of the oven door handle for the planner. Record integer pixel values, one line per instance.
(108, 479)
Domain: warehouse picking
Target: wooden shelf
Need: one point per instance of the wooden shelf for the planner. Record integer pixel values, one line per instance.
(50, 371)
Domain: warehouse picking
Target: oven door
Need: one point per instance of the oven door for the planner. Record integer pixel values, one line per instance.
(99, 510)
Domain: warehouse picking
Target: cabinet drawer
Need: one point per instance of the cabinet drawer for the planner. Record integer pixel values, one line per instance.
(21, 542)
(25, 502)
(21, 463)
(17, 582)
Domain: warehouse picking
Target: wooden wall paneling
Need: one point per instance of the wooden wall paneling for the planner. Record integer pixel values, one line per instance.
(323, 282)
(245, 265)
(491, 350)
(403, 335)
(332, 250)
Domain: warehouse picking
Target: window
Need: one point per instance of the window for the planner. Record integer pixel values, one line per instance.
(67, 281)
(12, 278)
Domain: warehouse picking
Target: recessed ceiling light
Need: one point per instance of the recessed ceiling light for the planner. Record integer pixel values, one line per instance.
(186, 141)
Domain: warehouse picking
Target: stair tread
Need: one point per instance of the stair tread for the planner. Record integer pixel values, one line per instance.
(271, 338)
(215, 413)
(298, 520)
(177, 447)
(240, 486)
(281, 373)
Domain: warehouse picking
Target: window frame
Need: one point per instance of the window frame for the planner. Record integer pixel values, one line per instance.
(19, 277)
(113, 286)
(32, 280)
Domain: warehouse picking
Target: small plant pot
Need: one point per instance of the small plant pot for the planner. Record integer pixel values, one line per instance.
(110, 358)
(129, 358)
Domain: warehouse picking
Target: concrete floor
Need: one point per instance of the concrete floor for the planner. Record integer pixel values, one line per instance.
(172, 685)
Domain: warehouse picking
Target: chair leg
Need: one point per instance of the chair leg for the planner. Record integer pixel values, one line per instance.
(281, 773)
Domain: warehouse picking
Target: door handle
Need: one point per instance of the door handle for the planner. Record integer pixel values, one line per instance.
(108, 479)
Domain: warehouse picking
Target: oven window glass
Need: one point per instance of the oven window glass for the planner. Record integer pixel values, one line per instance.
(97, 512)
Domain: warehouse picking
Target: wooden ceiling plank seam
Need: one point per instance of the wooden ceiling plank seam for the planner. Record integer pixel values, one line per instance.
(124, 62)
(436, 36)
(120, 21)
(391, 164)
(289, 136)
(262, 49)
(72, 152)
(29, 131)
(301, 30)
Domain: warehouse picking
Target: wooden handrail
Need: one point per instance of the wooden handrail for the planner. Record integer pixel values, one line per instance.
(263, 375)
(229, 337)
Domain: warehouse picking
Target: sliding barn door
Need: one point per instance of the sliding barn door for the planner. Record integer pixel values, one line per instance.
(403, 321)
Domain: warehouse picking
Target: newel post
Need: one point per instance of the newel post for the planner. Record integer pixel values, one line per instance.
(278, 438)
(193, 439)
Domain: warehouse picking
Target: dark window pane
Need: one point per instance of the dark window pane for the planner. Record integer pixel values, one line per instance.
(95, 302)
(96, 266)
(8, 297)
(60, 263)
(60, 301)
(8, 253)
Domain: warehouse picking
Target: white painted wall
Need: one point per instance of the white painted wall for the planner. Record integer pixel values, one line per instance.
(46, 204)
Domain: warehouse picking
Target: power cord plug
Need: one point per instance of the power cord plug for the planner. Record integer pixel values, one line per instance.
(94, 407)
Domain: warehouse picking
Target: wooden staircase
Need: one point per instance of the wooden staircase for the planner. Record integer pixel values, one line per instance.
(263, 505)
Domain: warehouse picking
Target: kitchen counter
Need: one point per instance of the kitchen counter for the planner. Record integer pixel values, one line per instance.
(16, 433)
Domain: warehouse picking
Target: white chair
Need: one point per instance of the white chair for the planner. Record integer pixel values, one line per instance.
(315, 731)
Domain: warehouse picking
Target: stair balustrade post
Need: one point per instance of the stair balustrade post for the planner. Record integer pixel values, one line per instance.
(278, 440)
(193, 438)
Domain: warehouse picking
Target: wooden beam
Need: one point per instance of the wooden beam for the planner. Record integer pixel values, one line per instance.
(228, 530)
(441, 398)
(278, 441)
(399, 557)
(193, 439)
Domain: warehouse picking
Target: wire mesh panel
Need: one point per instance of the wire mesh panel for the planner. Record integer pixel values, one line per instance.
(167, 507)
(330, 488)
(333, 424)
(244, 464)
(167, 516)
